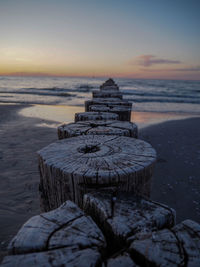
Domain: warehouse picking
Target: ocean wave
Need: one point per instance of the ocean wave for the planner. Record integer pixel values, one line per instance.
(84, 88)
(58, 89)
(162, 100)
(162, 94)
(38, 93)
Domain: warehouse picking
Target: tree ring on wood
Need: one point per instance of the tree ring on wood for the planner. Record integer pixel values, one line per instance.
(71, 167)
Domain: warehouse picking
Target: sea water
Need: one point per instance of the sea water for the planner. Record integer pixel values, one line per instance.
(147, 95)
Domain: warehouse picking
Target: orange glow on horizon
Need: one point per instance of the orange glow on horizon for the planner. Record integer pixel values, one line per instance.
(21, 67)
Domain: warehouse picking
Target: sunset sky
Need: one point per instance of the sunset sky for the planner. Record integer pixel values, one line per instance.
(120, 38)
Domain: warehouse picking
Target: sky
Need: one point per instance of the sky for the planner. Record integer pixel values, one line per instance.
(120, 38)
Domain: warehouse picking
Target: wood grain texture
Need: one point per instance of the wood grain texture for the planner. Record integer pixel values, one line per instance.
(71, 167)
(125, 217)
(63, 236)
(179, 246)
(107, 94)
(63, 227)
(109, 87)
(108, 102)
(123, 112)
(95, 116)
(110, 127)
(65, 257)
(123, 260)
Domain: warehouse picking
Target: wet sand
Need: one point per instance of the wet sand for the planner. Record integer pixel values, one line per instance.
(176, 180)
(20, 138)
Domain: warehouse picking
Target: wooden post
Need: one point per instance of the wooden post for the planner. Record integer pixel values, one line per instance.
(123, 112)
(107, 102)
(109, 84)
(95, 116)
(98, 128)
(71, 167)
(107, 94)
(62, 237)
(125, 217)
(109, 88)
(179, 246)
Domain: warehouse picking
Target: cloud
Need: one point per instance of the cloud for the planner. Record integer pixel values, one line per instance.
(150, 60)
(186, 69)
(196, 68)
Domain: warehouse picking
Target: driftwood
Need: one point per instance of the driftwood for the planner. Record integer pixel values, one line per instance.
(98, 128)
(107, 94)
(179, 246)
(107, 102)
(87, 116)
(123, 112)
(125, 217)
(69, 168)
(62, 237)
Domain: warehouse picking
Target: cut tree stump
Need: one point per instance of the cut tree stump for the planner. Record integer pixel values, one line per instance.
(122, 128)
(107, 94)
(62, 237)
(125, 217)
(71, 167)
(123, 112)
(179, 246)
(93, 116)
(107, 102)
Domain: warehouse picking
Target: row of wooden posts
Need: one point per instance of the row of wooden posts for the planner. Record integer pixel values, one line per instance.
(95, 185)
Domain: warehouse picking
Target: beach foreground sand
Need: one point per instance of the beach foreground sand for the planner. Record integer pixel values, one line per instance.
(176, 180)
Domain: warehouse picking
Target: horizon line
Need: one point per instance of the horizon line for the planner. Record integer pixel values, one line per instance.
(22, 74)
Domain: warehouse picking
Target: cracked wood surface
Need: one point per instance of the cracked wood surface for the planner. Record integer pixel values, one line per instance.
(86, 116)
(63, 236)
(107, 102)
(123, 260)
(179, 246)
(71, 167)
(122, 128)
(125, 217)
(107, 94)
(109, 87)
(65, 257)
(123, 112)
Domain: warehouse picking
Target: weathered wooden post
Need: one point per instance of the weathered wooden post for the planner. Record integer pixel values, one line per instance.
(63, 237)
(71, 167)
(179, 246)
(109, 127)
(107, 94)
(125, 217)
(95, 116)
(124, 112)
(107, 102)
(109, 84)
(109, 88)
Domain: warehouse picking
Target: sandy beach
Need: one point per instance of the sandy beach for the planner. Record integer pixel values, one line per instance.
(176, 180)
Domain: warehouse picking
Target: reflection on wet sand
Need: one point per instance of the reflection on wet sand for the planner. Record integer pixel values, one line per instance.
(60, 114)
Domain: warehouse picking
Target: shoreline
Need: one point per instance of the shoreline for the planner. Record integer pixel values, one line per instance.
(61, 114)
(175, 180)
